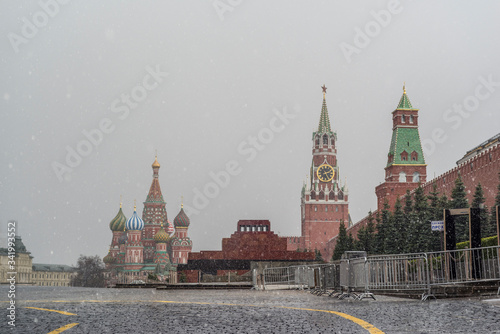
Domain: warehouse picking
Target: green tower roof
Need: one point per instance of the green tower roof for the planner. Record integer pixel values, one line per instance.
(404, 102)
(324, 120)
(406, 140)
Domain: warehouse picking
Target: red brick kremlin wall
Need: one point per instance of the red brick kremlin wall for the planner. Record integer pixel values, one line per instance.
(482, 168)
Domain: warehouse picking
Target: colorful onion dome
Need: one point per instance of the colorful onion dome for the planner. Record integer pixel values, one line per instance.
(108, 258)
(118, 223)
(182, 219)
(161, 236)
(135, 223)
(170, 227)
(123, 238)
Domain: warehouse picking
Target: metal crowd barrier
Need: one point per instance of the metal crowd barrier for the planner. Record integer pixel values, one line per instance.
(358, 275)
(278, 277)
(353, 280)
(319, 278)
(464, 266)
(398, 273)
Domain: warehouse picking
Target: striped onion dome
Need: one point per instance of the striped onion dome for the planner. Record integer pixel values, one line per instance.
(108, 258)
(118, 223)
(182, 219)
(170, 227)
(135, 223)
(161, 236)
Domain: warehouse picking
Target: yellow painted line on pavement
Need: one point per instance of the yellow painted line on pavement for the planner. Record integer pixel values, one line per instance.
(369, 327)
(63, 328)
(46, 309)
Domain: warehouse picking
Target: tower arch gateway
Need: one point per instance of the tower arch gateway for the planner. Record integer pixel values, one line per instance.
(324, 200)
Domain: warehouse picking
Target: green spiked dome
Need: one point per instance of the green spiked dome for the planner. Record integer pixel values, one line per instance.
(118, 223)
(161, 236)
(182, 220)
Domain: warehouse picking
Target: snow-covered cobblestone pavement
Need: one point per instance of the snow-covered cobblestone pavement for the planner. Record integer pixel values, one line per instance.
(81, 310)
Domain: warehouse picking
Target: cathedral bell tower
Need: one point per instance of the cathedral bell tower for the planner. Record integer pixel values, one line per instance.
(324, 200)
(406, 166)
(154, 214)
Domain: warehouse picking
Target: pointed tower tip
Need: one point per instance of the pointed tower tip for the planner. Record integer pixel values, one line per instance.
(404, 102)
(324, 120)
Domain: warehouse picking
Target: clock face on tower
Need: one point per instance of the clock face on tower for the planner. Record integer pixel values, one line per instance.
(325, 173)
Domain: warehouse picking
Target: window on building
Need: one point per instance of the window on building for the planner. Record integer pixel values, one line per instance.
(326, 208)
(325, 140)
(402, 177)
(416, 177)
(414, 156)
(403, 120)
(315, 208)
(336, 208)
(411, 119)
(404, 156)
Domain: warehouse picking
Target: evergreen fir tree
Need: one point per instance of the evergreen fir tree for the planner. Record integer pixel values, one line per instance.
(366, 236)
(383, 226)
(400, 232)
(459, 201)
(436, 214)
(478, 202)
(409, 222)
(342, 243)
(370, 234)
(318, 255)
(444, 203)
(360, 243)
(350, 242)
(422, 221)
(493, 216)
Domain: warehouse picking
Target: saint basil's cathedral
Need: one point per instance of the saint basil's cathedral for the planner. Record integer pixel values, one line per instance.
(147, 245)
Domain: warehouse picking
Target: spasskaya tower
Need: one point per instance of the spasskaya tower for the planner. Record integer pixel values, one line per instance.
(324, 200)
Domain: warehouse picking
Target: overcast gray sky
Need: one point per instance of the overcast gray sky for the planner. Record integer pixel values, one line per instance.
(224, 86)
